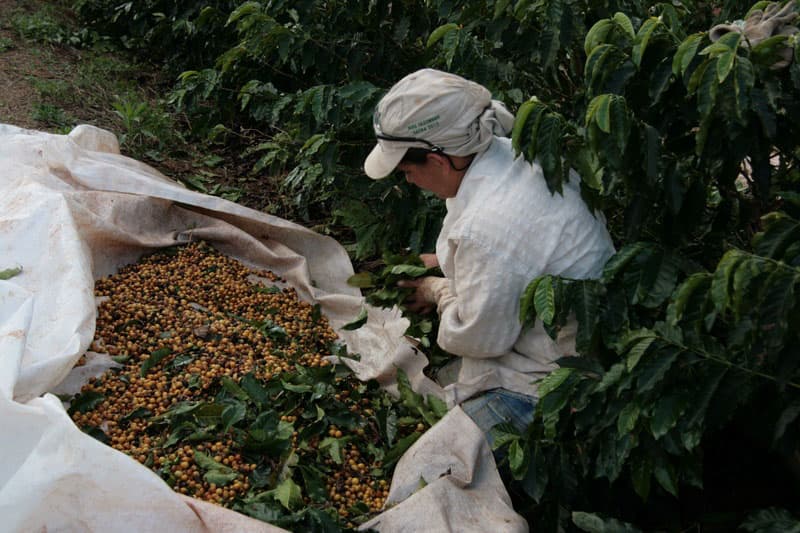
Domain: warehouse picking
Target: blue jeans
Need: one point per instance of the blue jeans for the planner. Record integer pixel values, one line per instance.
(496, 406)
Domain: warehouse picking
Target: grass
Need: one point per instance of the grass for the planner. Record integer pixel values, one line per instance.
(52, 115)
(53, 89)
(40, 25)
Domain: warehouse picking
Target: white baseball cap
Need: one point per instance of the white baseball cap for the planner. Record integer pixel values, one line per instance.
(437, 111)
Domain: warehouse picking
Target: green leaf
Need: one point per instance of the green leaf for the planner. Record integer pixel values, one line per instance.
(314, 483)
(209, 413)
(437, 34)
(771, 520)
(552, 381)
(685, 53)
(216, 473)
(787, 417)
(85, 402)
(551, 404)
(699, 281)
(232, 414)
(413, 271)
(696, 410)
(357, 322)
(527, 308)
(544, 299)
(619, 113)
(725, 65)
(9, 273)
(587, 365)
(654, 368)
(438, 406)
(288, 493)
(243, 11)
(726, 43)
(744, 275)
(637, 351)
(537, 475)
(516, 458)
(501, 435)
(410, 398)
(660, 81)
(623, 22)
(620, 260)
(708, 88)
(588, 522)
(585, 298)
(549, 142)
(234, 389)
(177, 409)
(301, 388)
(596, 35)
(314, 143)
(611, 377)
(155, 358)
(780, 231)
(601, 108)
(642, 38)
(397, 451)
(641, 474)
(550, 36)
(744, 80)
(334, 448)
(722, 282)
(141, 412)
(778, 301)
(500, 8)
(255, 391)
(596, 68)
(666, 413)
(665, 475)
(626, 421)
(658, 279)
(594, 523)
(526, 126)
(362, 280)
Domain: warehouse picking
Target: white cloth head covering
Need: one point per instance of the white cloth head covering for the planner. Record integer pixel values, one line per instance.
(438, 111)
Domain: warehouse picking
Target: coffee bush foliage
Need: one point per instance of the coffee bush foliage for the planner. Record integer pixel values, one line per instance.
(682, 411)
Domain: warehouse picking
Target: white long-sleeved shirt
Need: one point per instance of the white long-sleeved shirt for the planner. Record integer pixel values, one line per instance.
(503, 229)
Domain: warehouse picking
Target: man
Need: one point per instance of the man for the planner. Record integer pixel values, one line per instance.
(503, 228)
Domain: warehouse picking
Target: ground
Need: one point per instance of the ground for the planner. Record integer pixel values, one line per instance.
(52, 78)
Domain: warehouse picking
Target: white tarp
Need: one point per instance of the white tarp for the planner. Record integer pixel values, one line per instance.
(73, 210)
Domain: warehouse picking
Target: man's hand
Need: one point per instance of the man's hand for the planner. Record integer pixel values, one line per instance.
(429, 260)
(423, 299)
(761, 25)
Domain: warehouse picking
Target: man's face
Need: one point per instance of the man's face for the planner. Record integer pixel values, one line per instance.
(434, 175)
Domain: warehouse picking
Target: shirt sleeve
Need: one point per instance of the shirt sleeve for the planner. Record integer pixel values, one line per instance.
(479, 317)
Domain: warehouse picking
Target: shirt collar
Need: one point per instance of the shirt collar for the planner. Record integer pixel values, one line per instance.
(470, 183)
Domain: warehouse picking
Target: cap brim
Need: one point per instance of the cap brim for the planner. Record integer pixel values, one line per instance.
(382, 161)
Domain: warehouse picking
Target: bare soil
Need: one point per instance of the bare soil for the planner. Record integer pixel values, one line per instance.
(18, 64)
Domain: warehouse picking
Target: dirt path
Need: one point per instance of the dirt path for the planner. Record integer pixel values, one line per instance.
(17, 65)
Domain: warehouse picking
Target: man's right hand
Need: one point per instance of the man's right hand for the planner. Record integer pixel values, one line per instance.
(429, 260)
(421, 300)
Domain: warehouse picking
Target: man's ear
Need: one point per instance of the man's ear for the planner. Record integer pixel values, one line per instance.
(438, 159)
